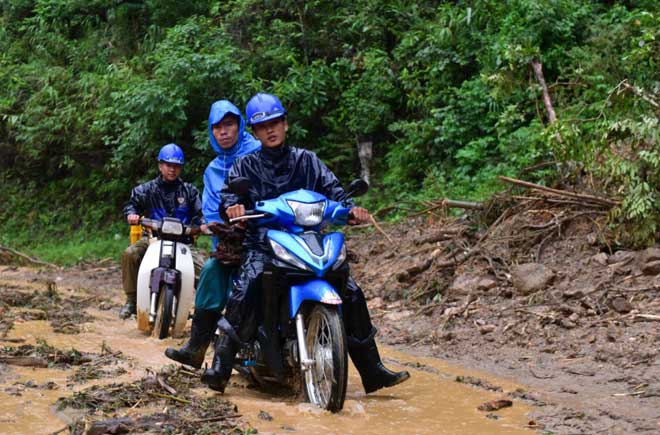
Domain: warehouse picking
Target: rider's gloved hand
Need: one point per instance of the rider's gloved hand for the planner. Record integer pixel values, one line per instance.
(133, 219)
(359, 215)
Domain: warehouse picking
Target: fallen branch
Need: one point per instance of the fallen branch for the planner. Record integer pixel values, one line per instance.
(12, 340)
(444, 203)
(439, 237)
(540, 376)
(219, 418)
(24, 361)
(167, 396)
(26, 257)
(651, 317)
(591, 198)
(380, 229)
(163, 384)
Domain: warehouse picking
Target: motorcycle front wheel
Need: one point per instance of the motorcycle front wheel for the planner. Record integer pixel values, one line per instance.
(164, 312)
(325, 381)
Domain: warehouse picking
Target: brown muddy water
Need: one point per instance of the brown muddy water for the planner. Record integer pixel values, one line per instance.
(432, 402)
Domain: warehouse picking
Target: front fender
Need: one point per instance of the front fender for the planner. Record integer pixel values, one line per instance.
(316, 290)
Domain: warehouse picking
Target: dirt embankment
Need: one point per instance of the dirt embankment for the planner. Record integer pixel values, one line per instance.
(537, 296)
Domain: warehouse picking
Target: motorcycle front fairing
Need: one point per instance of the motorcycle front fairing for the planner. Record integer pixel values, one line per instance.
(186, 270)
(281, 214)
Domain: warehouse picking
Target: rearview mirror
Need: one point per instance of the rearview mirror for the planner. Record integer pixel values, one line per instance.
(358, 187)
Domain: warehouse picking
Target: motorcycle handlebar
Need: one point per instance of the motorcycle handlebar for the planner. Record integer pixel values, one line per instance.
(188, 230)
(249, 214)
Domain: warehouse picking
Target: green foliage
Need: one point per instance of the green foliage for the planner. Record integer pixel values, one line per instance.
(444, 90)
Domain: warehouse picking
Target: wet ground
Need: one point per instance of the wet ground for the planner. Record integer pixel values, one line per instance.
(539, 294)
(62, 379)
(577, 354)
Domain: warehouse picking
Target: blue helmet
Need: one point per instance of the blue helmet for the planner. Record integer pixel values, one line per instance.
(171, 153)
(262, 108)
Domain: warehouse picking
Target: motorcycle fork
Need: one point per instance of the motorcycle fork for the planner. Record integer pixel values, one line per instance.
(166, 273)
(305, 362)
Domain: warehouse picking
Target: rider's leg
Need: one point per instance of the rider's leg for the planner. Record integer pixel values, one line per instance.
(199, 261)
(362, 345)
(130, 264)
(239, 323)
(210, 299)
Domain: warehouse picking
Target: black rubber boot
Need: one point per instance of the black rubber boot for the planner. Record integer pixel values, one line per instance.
(372, 371)
(129, 309)
(218, 375)
(203, 327)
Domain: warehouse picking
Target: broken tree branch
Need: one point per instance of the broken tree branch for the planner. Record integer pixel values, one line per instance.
(590, 198)
(641, 94)
(26, 257)
(373, 221)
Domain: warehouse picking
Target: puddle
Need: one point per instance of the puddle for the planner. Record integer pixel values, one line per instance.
(431, 402)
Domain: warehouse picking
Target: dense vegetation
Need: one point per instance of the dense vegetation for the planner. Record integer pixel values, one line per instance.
(446, 91)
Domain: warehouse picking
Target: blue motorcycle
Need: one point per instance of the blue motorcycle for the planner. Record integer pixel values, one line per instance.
(301, 342)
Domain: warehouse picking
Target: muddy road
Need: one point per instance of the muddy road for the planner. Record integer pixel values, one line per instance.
(67, 359)
(534, 307)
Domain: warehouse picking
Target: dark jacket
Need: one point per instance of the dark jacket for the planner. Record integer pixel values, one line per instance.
(274, 171)
(157, 198)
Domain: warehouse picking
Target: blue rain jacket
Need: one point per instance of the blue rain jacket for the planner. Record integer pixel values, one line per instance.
(216, 172)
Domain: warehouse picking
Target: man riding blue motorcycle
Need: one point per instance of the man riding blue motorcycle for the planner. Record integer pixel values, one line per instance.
(273, 170)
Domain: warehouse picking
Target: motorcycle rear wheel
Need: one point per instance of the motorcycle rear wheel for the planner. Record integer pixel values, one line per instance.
(325, 382)
(164, 314)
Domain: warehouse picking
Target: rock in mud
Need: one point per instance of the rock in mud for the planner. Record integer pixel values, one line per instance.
(600, 258)
(465, 284)
(621, 305)
(621, 257)
(650, 261)
(494, 405)
(529, 278)
(263, 415)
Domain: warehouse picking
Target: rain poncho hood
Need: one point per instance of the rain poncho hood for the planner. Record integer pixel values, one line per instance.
(216, 172)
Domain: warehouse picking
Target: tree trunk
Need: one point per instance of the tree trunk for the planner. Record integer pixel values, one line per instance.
(365, 153)
(538, 72)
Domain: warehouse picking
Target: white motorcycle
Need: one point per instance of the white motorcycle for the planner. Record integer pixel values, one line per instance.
(166, 278)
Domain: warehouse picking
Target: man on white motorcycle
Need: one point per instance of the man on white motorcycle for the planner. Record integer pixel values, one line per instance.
(275, 169)
(165, 195)
(229, 140)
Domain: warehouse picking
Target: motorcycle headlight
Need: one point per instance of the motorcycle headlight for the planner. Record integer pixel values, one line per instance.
(340, 258)
(307, 215)
(283, 254)
(172, 227)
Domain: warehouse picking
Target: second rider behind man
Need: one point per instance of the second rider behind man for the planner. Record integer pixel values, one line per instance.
(229, 140)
